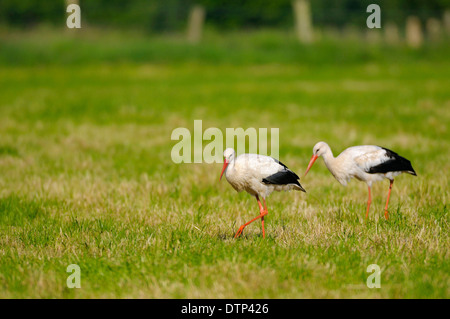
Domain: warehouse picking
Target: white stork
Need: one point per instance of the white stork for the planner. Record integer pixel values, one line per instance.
(368, 163)
(259, 176)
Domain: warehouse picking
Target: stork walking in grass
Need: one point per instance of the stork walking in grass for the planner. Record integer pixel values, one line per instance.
(259, 176)
(367, 163)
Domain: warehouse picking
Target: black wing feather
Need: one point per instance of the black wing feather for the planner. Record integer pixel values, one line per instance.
(396, 163)
(284, 177)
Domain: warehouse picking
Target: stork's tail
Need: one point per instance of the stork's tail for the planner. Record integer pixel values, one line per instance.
(299, 187)
(412, 171)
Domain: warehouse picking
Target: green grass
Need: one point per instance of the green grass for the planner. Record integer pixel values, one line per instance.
(86, 175)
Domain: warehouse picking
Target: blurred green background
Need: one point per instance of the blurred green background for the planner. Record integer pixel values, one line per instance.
(170, 15)
(156, 31)
(86, 177)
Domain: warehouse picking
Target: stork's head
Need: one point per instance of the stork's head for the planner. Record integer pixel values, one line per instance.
(318, 150)
(228, 156)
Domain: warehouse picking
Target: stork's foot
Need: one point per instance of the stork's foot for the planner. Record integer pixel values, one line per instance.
(239, 232)
(386, 214)
(241, 229)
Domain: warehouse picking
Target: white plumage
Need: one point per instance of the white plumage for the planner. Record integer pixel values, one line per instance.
(247, 171)
(368, 163)
(259, 176)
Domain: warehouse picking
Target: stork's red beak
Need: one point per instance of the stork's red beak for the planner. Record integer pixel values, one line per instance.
(225, 164)
(311, 162)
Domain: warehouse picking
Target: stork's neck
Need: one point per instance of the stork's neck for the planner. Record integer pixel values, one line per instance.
(230, 167)
(329, 160)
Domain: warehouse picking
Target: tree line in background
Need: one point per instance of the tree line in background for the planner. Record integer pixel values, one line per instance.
(171, 15)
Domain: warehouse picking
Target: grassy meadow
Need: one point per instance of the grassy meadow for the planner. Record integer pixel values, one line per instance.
(86, 175)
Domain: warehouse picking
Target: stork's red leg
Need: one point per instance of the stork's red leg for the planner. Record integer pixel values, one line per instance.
(262, 214)
(368, 203)
(259, 204)
(386, 215)
(262, 218)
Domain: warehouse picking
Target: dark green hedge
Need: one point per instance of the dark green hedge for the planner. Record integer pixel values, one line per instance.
(168, 15)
